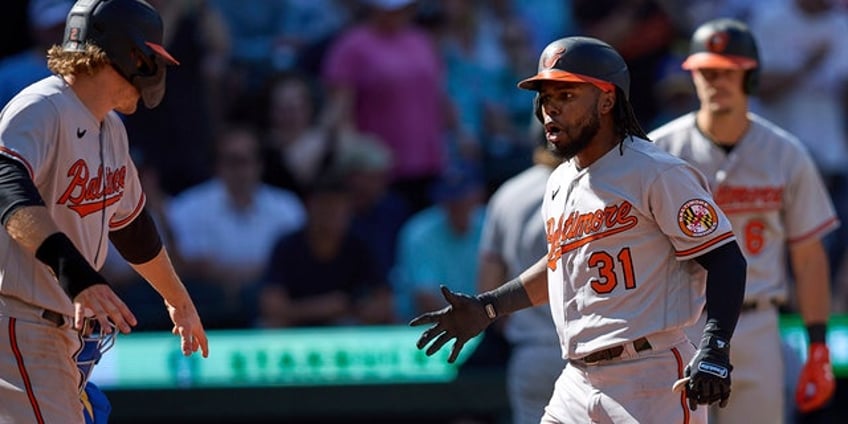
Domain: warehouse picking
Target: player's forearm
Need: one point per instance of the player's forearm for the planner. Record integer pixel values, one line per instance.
(160, 273)
(33, 229)
(30, 226)
(535, 281)
(812, 277)
(726, 272)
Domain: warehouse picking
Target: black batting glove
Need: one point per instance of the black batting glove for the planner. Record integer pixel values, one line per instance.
(464, 318)
(709, 373)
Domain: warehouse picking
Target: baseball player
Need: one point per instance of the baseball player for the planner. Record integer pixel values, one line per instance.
(631, 233)
(767, 184)
(514, 238)
(68, 187)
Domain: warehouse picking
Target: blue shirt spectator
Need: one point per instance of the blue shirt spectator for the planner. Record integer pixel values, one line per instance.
(439, 245)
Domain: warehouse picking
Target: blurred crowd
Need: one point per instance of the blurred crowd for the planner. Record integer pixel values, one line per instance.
(329, 162)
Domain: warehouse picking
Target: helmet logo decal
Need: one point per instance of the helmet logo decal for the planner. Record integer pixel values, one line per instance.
(718, 42)
(551, 59)
(697, 218)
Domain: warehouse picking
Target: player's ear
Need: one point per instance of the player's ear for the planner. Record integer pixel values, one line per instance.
(606, 101)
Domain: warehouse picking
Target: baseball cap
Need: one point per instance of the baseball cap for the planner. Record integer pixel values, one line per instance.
(722, 44)
(718, 61)
(44, 14)
(582, 60)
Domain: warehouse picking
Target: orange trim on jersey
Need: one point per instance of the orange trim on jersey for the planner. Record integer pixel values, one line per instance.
(13, 343)
(575, 244)
(683, 404)
(814, 231)
(132, 216)
(706, 245)
(16, 155)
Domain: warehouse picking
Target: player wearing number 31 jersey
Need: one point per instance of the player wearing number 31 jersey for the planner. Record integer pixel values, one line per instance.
(636, 248)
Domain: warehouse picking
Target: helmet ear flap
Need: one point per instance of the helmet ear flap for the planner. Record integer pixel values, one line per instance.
(751, 81)
(537, 108)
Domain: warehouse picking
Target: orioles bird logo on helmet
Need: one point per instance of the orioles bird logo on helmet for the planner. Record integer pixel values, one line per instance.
(553, 57)
(717, 42)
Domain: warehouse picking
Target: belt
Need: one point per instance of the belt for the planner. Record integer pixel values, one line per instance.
(639, 344)
(754, 305)
(54, 317)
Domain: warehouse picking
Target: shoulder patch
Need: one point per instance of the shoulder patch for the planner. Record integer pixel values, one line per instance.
(697, 218)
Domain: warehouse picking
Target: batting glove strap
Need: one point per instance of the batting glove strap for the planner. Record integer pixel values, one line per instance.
(816, 384)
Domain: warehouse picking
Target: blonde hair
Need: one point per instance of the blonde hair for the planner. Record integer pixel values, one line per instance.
(87, 61)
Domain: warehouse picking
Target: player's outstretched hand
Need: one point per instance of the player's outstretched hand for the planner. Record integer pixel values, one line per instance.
(101, 302)
(816, 384)
(463, 318)
(187, 325)
(708, 373)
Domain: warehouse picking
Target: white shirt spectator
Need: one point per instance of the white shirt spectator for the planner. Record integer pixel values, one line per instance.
(206, 225)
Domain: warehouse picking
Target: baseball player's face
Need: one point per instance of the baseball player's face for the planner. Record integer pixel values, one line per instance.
(571, 117)
(719, 90)
(125, 95)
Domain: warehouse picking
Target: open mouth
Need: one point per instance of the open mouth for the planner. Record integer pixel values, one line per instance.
(552, 128)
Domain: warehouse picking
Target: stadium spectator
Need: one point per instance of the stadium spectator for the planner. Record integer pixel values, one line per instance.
(384, 78)
(224, 229)
(323, 274)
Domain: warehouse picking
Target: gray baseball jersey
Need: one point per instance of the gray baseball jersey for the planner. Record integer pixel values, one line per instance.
(84, 174)
(769, 188)
(620, 236)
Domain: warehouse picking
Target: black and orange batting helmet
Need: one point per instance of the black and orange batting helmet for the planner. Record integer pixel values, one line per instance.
(130, 32)
(725, 44)
(581, 59)
(592, 61)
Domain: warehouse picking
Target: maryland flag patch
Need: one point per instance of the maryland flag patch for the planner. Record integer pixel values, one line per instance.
(697, 218)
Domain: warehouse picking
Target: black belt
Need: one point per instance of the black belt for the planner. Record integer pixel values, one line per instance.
(753, 305)
(54, 317)
(639, 344)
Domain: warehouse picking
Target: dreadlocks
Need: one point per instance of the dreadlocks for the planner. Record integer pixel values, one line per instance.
(626, 123)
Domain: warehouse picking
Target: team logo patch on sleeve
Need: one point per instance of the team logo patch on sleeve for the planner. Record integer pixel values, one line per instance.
(697, 218)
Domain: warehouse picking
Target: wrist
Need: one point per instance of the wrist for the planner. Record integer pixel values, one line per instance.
(504, 300)
(817, 333)
(714, 339)
(72, 270)
(488, 301)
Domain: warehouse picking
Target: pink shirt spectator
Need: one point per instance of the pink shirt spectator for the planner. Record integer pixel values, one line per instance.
(397, 84)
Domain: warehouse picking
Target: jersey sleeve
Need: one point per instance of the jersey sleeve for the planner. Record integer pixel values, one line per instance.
(28, 127)
(808, 210)
(686, 213)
